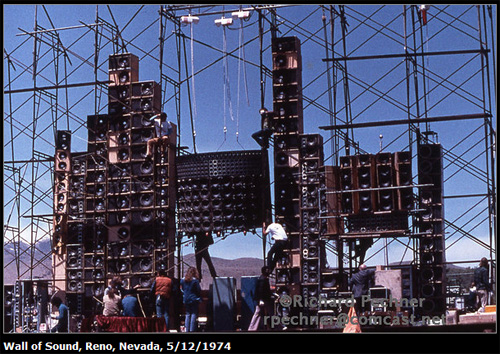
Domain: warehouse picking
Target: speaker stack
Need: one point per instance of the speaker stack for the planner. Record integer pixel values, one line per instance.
(8, 308)
(220, 192)
(349, 183)
(62, 171)
(385, 181)
(114, 206)
(431, 227)
(332, 208)
(288, 125)
(332, 279)
(366, 181)
(140, 189)
(311, 202)
(403, 170)
(76, 248)
(376, 191)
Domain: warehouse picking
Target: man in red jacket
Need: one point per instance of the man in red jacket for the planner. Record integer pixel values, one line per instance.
(162, 288)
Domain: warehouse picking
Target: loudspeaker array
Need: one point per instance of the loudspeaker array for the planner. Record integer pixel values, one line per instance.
(118, 212)
(220, 192)
(62, 171)
(431, 227)
(311, 202)
(287, 124)
(376, 191)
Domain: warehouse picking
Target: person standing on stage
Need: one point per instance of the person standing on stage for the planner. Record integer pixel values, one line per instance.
(190, 286)
(482, 283)
(162, 288)
(264, 298)
(201, 243)
(360, 283)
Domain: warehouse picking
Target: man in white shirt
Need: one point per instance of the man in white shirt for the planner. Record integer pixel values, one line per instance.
(163, 129)
(278, 234)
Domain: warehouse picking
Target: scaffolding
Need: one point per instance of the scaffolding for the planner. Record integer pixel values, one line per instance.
(404, 89)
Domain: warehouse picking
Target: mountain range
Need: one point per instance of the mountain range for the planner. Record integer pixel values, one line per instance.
(42, 264)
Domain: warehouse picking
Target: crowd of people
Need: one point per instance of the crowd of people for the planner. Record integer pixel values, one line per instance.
(118, 301)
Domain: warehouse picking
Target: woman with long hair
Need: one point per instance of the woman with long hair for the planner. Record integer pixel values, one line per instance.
(112, 299)
(190, 286)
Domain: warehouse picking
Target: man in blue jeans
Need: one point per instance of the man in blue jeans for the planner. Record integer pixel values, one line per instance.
(162, 288)
(482, 284)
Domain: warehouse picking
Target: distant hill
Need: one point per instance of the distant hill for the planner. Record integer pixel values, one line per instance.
(224, 267)
(236, 268)
(42, 265)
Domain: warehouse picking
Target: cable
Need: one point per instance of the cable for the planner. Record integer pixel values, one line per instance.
(195, 112)
(227, 86)
(241, 62)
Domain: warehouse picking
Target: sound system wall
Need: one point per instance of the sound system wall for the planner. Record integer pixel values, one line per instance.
(333, 205)
(220, 192)
(62, 172)
(114, 207)
(376, 192)
(432, 279)
(287, 124)
(312, 180)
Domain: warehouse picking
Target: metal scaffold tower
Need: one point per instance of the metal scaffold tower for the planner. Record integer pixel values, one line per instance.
(375, 79)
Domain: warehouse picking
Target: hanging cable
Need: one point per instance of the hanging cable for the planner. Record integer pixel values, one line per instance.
(227, 86)
(195, 112)
(241, 64)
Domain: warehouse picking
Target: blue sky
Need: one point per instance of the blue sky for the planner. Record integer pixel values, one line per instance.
(377, 89)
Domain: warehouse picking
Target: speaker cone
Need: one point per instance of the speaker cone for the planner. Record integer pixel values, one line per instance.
(97, 274)
(123, 233)
(123, 77)
(98, 289)
(428, 290)
(98, 261)
(146, 200)
(146, 216)
(146, 265)
(146, 167)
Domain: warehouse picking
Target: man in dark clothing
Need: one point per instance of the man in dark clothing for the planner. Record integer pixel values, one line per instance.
(360, 283)
(202, 242)
(264, 298)
(62, 324)
(482, 284)
(262, 136)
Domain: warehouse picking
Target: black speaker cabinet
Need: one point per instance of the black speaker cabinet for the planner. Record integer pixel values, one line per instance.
(123, 69)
